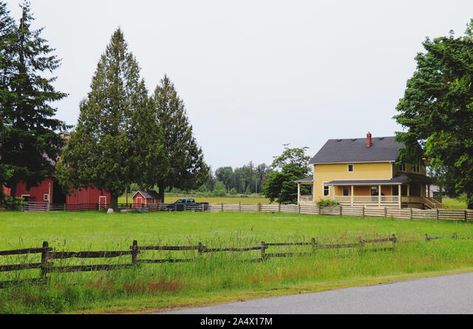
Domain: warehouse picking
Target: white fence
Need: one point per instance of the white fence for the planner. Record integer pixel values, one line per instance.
(361, 211)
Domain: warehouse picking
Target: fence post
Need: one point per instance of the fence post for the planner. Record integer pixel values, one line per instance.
(203, 207)
(279, 207)
(134, 252)
(410, 209)
(385, 212)
(466, 216)
(221, 207)
(394, 240)
(263, 250)
(259, 206)
(44, 260)
(438, 213)
(313, 242)
(200, 248)
(341, 213)
(239, 206)
(363, 211)
(299, 208)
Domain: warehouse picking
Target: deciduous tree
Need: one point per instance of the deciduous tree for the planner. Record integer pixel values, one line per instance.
(437, 109)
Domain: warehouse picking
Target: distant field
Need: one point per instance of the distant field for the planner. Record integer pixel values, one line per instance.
(454, 203)
(244, 200)
(217, 277)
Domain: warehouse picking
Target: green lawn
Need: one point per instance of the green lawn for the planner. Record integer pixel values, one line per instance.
(217, 277)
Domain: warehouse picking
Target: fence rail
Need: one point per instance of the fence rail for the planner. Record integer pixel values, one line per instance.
(48, 254)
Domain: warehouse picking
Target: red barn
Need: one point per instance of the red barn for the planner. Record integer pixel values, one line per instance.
(43, 192)
(145, 198)
(51, 192)
(91, 196)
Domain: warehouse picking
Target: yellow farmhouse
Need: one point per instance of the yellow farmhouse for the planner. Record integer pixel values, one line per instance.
(363, 172)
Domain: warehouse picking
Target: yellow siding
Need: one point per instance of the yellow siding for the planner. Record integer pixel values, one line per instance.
(328, 172)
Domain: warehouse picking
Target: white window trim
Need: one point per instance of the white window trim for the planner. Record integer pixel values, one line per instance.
(352, 167)
(323, 189)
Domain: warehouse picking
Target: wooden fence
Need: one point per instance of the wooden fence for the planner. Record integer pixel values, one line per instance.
(360, 211)
(386, 212)
(48, 254)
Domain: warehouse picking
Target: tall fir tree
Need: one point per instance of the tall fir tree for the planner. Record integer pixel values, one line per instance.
(184, 165)
(31, 139)
(101, 150)
(7, 37)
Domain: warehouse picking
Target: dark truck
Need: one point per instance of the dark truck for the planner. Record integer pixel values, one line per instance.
(187, 204)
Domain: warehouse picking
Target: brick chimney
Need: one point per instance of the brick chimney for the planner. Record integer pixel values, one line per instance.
(369, 140)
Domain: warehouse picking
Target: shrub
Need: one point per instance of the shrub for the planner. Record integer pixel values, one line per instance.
(327, 203)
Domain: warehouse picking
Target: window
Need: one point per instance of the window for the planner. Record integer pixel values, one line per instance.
(395, 190)
(416, 168)
(346, 190)
(326, 190)
(45, 197)
(402, 167)
(350, 167)
(374, 190)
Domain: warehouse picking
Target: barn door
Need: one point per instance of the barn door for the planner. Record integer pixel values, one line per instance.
(102, 202)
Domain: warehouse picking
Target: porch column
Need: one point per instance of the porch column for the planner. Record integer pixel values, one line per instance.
(399, 195)
(379, 195)
(352, 195)
(408, 190)
(298, 193)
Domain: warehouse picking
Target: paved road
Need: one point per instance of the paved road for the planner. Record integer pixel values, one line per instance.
(445, 294)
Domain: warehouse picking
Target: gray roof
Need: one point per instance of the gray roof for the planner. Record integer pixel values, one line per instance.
(305, 180)
(148, 194)
(355, 150)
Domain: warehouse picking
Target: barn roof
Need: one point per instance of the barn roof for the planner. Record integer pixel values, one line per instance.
(383, 149)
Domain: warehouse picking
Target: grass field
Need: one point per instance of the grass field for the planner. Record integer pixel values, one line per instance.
(217, 277)
(454, 203)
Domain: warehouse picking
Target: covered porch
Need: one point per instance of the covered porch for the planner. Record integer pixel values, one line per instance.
(405, 190)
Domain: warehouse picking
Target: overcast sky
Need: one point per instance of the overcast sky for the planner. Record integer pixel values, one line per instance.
(256, 74)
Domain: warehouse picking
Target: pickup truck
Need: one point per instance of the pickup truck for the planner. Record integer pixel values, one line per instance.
(187, 204)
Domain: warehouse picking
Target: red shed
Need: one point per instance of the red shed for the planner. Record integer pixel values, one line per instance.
(145, 198)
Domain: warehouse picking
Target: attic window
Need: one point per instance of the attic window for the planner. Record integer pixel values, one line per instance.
(350, 167)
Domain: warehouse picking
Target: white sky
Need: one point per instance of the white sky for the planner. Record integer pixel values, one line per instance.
(256, 74)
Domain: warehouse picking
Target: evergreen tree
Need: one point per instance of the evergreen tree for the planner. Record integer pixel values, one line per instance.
(30, 134)
(184, 161)
(7, 37)
(101, 150)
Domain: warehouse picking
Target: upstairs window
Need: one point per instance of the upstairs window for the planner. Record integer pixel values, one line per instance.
(350, 167)
(402, 167)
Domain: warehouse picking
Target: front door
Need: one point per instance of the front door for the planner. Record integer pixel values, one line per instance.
(102, 202)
